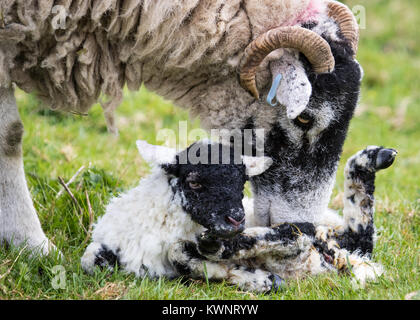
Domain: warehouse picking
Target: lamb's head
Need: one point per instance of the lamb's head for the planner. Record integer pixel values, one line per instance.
(208, 179)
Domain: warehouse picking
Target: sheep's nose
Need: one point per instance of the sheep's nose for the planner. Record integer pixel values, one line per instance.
(235, 222)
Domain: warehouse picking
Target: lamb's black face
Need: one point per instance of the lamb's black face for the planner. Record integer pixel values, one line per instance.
(211, 193)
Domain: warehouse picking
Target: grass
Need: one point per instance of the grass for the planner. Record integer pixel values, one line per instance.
(57, 145)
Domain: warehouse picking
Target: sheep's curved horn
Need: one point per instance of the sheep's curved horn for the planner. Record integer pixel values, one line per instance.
(313, 46)
(346, 21)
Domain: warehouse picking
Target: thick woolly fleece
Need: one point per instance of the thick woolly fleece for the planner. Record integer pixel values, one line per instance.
(109, 43)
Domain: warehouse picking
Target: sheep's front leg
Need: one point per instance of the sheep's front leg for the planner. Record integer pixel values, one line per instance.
(187, 261)
(19, 222)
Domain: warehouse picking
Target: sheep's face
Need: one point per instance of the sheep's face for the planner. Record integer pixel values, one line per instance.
(209, 180)
(306, 146)
(305, 116)
(212, 195)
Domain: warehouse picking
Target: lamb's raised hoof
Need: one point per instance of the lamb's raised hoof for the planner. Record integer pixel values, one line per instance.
(385, 158)
(359, 205)
(371, 159)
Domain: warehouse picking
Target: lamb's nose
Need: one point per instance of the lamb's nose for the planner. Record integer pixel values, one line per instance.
(235, 222)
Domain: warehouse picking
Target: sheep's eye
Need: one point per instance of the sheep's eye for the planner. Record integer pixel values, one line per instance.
(194, 185)
(303, 120)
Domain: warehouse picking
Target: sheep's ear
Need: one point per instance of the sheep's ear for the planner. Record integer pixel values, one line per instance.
(156, 154)
(256, 165)
(293, 90)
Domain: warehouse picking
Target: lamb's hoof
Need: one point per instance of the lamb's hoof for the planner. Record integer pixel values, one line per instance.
(372, 159)
(207, 245)
(385, 158)
(278, 284)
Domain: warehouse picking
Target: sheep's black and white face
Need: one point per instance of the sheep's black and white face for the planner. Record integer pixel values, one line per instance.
(306, 145)
(327, 107)
(208, 179)
(211, 193)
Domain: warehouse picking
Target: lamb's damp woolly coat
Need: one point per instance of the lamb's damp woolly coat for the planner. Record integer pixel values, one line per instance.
(143, 229)
(141, 225)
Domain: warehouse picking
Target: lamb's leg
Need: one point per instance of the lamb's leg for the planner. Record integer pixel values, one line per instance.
(19, 222)
(98, 254)
(188, 262)
(292, 250)
(283, 241)
(349, 248)
(359, 230)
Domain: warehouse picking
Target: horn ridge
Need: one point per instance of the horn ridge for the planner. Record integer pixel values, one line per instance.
(346, 21)
(313, 46)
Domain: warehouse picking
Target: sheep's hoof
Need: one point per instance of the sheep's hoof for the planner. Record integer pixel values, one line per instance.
(278, 284)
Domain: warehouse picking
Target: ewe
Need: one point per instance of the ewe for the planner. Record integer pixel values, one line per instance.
(186, 220)
(205, 55)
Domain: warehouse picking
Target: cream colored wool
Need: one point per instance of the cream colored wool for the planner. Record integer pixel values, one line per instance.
(185, 50)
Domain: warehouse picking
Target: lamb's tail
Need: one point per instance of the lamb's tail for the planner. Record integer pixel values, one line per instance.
(359, 204)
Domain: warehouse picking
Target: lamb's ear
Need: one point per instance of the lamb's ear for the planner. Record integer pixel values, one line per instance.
(156, 154)
(256, 165)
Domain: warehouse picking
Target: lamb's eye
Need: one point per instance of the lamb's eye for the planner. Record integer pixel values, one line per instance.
(194, 185)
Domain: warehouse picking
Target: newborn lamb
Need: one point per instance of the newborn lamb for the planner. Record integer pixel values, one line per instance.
(144, 230)
(187, 219)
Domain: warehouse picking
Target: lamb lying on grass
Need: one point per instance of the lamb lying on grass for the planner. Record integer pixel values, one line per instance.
(176, 202)
(188, 220)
